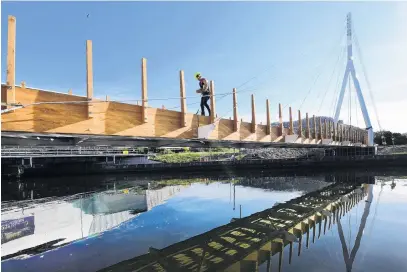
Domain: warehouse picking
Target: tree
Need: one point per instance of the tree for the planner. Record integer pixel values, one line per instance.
(399, 139)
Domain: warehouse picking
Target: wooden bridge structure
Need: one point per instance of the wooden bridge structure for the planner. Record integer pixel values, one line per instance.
(246, 243)
(32, 110)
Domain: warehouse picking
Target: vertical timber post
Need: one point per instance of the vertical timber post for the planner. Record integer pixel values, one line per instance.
(89, 76)
(213, 102)
(253, 115)
(354, 135)
(344, 134)
(334, 130)
(325, 130)
(291, 132)
(11, 62)
(144, 103)
(338, 132)
(235, 116)
(280, 120)
(320, 129)
(268, 129)
(299, 124)
(183, 98)
(315, 127)
(307, 129)
(329, 129)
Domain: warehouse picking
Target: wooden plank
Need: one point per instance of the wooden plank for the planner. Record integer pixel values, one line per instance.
(213, 102)
(89, 77)
(325, 129)
(315, 127)
(320, 128)
(338, 132)
(299, 124)
(253, 128)
(11, 61)
(307, 130)
(235, 115)
(280, 120)
(144, 97)
(329, 129)
(268, 129)
(291, 122)
(183, 98)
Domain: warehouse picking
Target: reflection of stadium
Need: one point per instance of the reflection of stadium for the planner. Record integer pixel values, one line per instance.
(79, 218)
(16, 228)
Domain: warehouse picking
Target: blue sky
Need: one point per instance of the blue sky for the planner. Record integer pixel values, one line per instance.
(285, 44)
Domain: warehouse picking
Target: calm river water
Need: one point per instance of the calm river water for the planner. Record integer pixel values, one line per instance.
(89, 223)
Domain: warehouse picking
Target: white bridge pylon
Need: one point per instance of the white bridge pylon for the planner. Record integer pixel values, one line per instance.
(350, 72)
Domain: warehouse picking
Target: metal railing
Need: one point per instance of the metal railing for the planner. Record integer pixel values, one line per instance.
(69, 151)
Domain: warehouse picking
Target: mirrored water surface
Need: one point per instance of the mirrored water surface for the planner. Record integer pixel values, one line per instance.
(88, 224)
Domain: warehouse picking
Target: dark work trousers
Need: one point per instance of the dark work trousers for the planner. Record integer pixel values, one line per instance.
(204, 103)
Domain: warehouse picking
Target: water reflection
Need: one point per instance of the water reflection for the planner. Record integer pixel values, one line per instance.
(105, 227)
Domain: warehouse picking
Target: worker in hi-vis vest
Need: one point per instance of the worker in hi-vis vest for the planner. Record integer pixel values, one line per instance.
(205, 93)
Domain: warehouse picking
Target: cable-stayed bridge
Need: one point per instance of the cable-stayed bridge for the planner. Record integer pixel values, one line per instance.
(28, 111)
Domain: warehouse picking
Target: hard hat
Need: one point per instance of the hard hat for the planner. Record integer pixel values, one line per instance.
(197, 75)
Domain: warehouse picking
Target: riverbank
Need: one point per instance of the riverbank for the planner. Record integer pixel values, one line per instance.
(53, 168)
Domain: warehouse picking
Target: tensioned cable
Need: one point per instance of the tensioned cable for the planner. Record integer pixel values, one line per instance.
(324, 62)
(340, 56)
(356, 108)
(302, 54)
(335, 99)
(321, 65)
(367, 79)
(350, 104)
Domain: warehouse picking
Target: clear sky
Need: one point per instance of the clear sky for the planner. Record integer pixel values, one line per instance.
(292, 48)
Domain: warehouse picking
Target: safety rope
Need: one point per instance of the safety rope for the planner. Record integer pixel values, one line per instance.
(18, 106)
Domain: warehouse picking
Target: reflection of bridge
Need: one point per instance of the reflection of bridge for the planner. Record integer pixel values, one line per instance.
(244, 244)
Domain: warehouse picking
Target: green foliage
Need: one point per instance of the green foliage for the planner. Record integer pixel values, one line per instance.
(186, 157)
(239, 157)
(399, 139)
(167, 151)
(223, 150)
